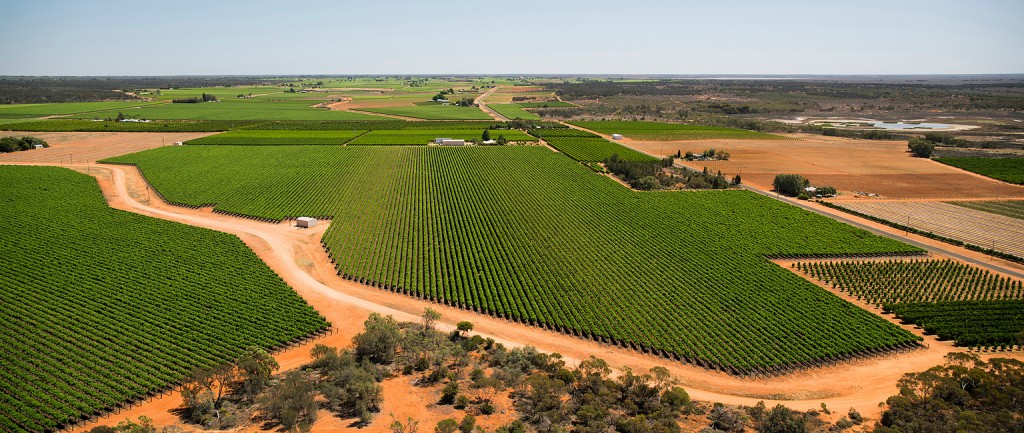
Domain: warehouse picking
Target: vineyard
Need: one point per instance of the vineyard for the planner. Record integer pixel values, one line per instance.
(278, 138)
(1005, 169)
(513, 111)
(586, 147)
(1007, 208)
(984, 229)
(425, 136)
(102, 307)
(432, 112)
(951, 299)
(658, 131)
(527, 234)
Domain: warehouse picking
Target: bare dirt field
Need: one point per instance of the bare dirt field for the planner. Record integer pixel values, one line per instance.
(297, 256)
(873, 166)
(81, 147)
(983, 229)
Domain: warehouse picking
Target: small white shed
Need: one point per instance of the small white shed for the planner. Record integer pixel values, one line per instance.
(453, 142)
(616, 136)
(440, 140)
(305, 222)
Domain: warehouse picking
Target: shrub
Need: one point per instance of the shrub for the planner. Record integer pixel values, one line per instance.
(790, 184)
(920, 147)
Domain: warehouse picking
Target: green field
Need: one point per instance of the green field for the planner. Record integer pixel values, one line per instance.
(102, 306)
(75, 125)
(425, 136)
(20, 111)
(433, 112)
(526, 233)
(277, 138)
(970, 323)
(231, 109)
(1005, 169)
(547, 104)
(954, 300)
(513, 111)
(1008, 208)
(587, 147)
(658, 131)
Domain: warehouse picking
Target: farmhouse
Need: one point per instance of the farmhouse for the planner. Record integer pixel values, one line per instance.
(453, 142)
(305, 222)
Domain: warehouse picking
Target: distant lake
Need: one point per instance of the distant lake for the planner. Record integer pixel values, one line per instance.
(903, 126)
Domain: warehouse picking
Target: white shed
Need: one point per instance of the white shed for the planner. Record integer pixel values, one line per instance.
(616, 136)
(305, 222)
(453, 142)
(440, 140)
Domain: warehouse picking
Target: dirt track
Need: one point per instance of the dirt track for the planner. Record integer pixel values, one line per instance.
(296, 255)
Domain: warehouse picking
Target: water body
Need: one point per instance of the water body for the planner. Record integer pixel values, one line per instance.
(900, 126)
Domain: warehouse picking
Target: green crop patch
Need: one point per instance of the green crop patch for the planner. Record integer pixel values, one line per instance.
(587, 147)
(102, 306)
(1005, 169)
(18, 111)
(230, 109)
(411, 137)
(433, 112)
(513, 111)
(954, 300)
(71, 125)
(525, 233)
(547, 104)
(277, 138)
(672, 131)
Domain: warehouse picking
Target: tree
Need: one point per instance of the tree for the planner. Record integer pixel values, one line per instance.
(790, 184)
(256, 368)
(411, 426)
(736, 180)
(782, 419)
(486, 135)
(446, 425)
(448, 393)
(8, 145)
(464, 326)
(502, 140)
(430, 316)
(920, 147)
(725, 418)
(292, 403)
(378, 343)
(214, 380)
(467, 424)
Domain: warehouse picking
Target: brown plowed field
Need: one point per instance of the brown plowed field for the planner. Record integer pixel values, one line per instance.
(81, 147)
(873, 166)
(983, 229)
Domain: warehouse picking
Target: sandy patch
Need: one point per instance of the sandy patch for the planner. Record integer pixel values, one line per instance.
(81, 147)
(874, 166)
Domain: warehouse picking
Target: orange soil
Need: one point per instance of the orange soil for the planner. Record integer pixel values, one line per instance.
(296, 255)
(520, 89)
(874, 166)
(81, 147)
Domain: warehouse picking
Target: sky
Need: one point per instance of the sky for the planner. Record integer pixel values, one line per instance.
(255, 37)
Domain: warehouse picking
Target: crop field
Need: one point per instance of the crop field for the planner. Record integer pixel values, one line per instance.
(984, 229)
(528, 234)
(102, 306)
(584, 146)
(513, 111)
(230, 109)
(657, 131)
(76, 125)
(433, 112)
(953, 300)
(970, 323)
(276, 138)
(19, 111)
(1005, 169)
(1007, 208)
(546, 104)
(425, 136)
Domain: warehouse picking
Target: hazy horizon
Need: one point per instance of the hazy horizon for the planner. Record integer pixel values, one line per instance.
(260, 38)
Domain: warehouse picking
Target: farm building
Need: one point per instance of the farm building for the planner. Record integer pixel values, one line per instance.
(616, 136)
(305, 222)
(453, 142)
(439, 140)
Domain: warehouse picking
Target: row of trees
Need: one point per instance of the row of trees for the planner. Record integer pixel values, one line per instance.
(206, 97)
(920, 147)
(15, 144)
